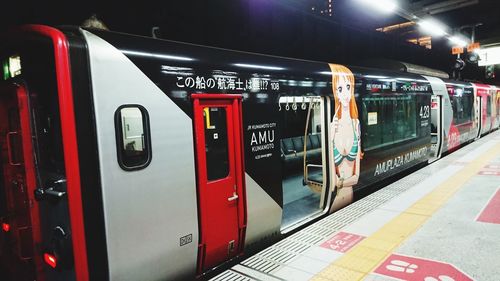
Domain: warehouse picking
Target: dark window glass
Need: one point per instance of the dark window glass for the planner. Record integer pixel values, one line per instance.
(488, 106)
(14, 138)
(462, 104)
(216, 147)
(133, 137)
(388, 120)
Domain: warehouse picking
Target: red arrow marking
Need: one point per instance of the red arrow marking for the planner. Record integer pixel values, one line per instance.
(491, 213)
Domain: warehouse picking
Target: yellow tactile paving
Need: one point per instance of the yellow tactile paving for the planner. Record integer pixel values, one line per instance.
(339, 273)
(377, 244)
(363, 258)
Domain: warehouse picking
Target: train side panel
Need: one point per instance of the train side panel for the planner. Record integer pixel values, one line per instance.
(395, 124)
(150, 207)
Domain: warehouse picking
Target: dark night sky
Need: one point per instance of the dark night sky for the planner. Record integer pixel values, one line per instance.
(280, 27)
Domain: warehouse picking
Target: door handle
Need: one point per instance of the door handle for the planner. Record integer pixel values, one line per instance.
(55, 192)
(232, 198)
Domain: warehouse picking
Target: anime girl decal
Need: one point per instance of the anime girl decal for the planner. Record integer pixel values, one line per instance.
(345, 137)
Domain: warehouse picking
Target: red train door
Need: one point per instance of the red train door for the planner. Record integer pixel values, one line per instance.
(20, 218)
(220, 170)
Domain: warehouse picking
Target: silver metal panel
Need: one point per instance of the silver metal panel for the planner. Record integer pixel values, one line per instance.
(263, 213)
(418, 69)
(146, 211)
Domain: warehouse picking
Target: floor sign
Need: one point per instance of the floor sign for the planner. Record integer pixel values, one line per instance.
(342, 242)
(417, 269)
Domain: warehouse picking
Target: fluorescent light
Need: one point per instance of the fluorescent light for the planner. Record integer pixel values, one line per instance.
(432, 27)
(384, 6)
(257, 66)
(457, 41)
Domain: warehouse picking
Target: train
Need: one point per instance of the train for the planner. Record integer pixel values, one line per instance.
(134, 158)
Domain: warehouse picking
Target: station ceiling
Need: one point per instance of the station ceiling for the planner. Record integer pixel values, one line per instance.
(458, 15)
(129, 18)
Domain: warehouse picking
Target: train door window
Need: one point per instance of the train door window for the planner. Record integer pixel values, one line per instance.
(133, 137)
(14, 140)
(216, 146)
(488, 106)
(468, 102)
(302, 157)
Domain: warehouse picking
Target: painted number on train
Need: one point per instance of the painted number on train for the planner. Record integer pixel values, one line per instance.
(425, 112)
(184, 240)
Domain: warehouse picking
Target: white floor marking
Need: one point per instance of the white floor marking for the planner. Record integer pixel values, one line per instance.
(402, 266)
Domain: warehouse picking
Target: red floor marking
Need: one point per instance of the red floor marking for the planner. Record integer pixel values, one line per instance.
(491, 213)
(489, 173)
(413, 269)
(342, 242)
(493, 166)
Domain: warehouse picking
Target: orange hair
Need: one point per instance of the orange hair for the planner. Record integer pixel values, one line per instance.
(338, 71)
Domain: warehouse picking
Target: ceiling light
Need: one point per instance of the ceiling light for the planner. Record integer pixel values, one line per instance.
(384, 6)
(432, 27)
(457, 41)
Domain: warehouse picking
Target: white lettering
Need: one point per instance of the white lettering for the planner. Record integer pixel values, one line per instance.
(254, 139)
(400, 160)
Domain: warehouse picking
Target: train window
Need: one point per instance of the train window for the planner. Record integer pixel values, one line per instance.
(463, 106)
(216, 145)
(395, 120)
(133, 137)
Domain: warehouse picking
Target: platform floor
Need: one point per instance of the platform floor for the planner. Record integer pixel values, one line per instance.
(441, 223)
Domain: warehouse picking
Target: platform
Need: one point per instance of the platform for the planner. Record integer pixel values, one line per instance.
(441, 223)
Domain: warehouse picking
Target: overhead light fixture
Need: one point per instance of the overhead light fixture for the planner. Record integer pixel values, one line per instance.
(458, 41)
(384, 6)
(432, 27)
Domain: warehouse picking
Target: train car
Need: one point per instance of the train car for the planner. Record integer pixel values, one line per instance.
(133, 158)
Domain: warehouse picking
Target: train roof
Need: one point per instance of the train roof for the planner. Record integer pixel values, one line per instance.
(189, 54)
